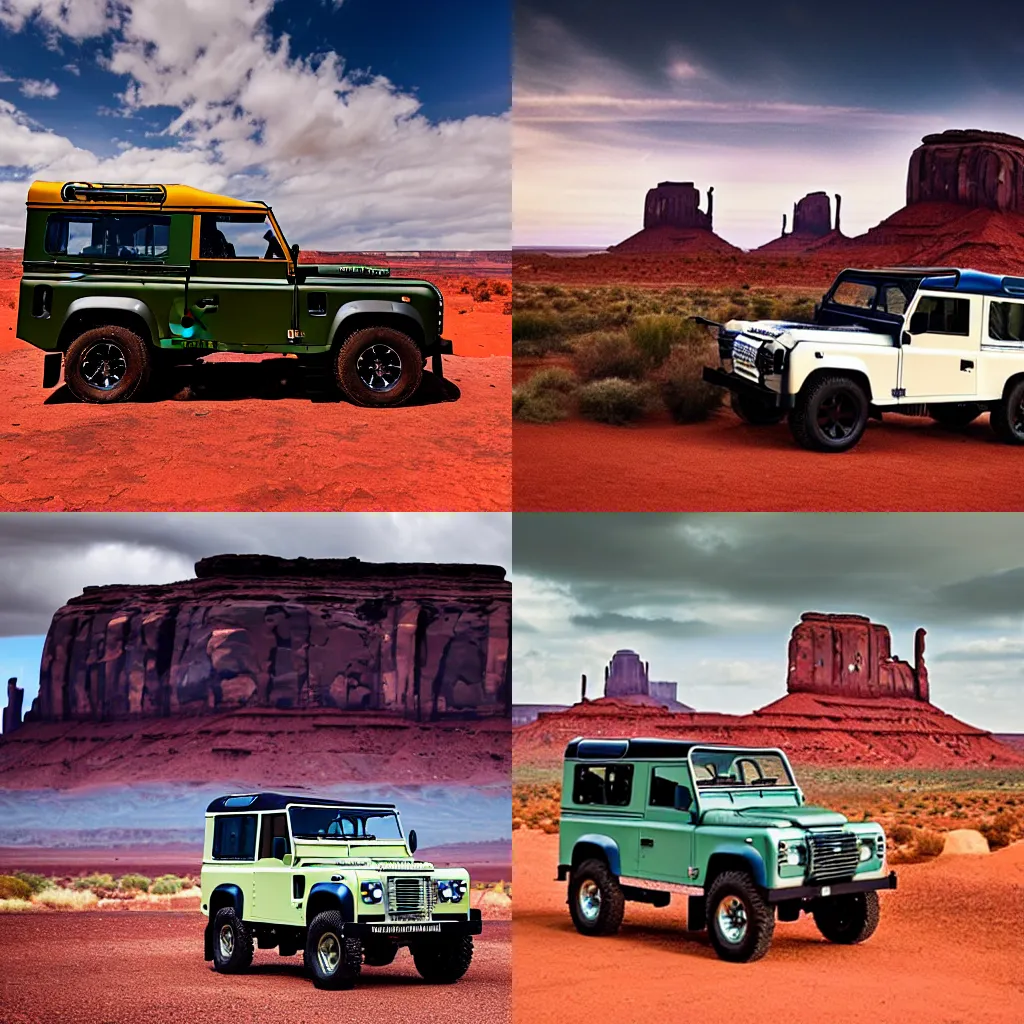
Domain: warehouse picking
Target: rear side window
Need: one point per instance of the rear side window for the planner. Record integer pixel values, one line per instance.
(131, 237)
(1006, 321)
(610, 784)
(234, 837)
(946, 316)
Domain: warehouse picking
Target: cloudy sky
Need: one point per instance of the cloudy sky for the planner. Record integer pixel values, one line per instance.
(709, 600)
(362, 130)
(46, 558)
(766, 102)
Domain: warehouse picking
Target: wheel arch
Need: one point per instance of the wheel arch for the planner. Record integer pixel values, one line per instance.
(330, 896)
(736, 857)
(227, 894)
(844, 366)
(107, 310)
(354, 316)
(598, 847)
(1011, 383)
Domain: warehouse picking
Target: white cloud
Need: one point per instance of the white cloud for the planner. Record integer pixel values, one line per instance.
(73, 69)
(34, 88)
(347, 160)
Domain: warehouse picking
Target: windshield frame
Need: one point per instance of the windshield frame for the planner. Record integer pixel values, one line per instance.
(355, 809)
(738, 751)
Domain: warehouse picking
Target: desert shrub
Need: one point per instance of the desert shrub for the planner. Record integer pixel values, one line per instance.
(500, 288)
(37, 883)
(544, 398)
(506, 308)
(555, 378)
(67, 899)
(613, 400)
(608, 354)
(901, 834)
(929, 844)
(481, 292)
(655, 335)
(999, 831)
(685, 394)
(97, 881)
(16, 906)
(134, 883)
(799, 310)
(167, 885)
(533, 326)
(12, 888)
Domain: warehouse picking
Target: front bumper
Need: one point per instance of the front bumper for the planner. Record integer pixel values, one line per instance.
(813, 892)
(742, 385)
(408, 930)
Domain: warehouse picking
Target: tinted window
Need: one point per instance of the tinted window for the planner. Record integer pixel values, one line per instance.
(663, 784)
(120, 237)
(234, 837)
(892, 300)
(1006, 321)
(242, 236)
(855, 293)
(274, 826)
(946, 316)
(603, 784)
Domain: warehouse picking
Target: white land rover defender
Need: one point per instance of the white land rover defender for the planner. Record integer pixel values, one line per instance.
(936, 342)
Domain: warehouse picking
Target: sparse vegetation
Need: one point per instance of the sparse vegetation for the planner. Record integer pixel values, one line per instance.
(13, 888)
(614, 400)
(608, 354)
(133, 883)
(167, 885)
(545, 397)
(929, 844)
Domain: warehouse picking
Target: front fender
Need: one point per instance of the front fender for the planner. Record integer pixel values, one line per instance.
(802, 363)
(122, 303)
(363, 306)
(753, 858)
(330, 896)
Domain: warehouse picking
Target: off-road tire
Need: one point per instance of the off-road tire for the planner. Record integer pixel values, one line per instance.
(239, 956)
(847, 919)
(346, 954)
(755, 411)
(813, 427)
(1007, 417)
(347, 366)
(611, 902)
(133, 377)
(378, 952)
(443, 961)
(955, 415)
(758, 912)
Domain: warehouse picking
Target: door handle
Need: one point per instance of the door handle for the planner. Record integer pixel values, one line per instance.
(646, 842)
(966, 365)
(207, 303)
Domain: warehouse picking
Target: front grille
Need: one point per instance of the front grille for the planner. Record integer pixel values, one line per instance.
(834, 855)
(409, 899)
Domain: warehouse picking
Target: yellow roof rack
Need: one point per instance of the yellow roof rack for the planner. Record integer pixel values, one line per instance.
(124, 196)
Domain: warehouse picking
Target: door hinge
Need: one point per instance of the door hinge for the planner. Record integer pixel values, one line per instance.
(296, 335)
(899, 392)
(693, 872)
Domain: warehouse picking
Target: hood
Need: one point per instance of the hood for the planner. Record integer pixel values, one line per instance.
(787, 333)
(775, 817)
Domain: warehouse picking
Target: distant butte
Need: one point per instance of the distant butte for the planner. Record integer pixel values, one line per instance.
(812, 227)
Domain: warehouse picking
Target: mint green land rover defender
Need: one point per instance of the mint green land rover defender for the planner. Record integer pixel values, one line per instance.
(643, 819)
(120, 282)
(337, 881)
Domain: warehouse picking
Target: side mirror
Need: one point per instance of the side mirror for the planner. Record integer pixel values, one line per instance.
(294, 250)
(682, 799)
(278, 847)
(918, 323)
(412, 840)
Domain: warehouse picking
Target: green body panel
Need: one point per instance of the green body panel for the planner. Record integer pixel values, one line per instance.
(665, 845)
(255, 305)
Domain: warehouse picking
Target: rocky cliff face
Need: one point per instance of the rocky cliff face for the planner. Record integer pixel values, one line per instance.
(812, 215)
(424, 641)
(12, 713)
(676, 204)
(968, 167)
(850, 656)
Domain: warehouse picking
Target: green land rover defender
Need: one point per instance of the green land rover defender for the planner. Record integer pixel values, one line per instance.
(122, 281)
(338, 881)
(642, 819)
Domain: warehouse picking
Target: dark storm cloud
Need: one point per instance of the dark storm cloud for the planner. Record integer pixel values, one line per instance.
(47, 558)
(608, 622)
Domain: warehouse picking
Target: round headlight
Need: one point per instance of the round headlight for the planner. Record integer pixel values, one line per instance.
(444, 891)
(867, 849)
(371, 892)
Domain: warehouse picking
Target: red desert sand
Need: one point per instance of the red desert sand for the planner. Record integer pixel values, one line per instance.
(249, 435)
(935, 956)
(148, 968)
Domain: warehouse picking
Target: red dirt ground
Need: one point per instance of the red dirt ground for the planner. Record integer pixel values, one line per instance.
(251, 436)
(148, 968)
(935, 958)
(903, 464)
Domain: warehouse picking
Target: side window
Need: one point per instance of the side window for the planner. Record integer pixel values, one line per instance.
(893, 300)
(610, 784)
(239, 236)
(663, 784)
(1006, 321)
(946, 316)
(133, 237)
(234, 837)
(274, 826)
(855, 293)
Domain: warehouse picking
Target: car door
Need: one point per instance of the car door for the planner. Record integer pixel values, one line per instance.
(666, 834)
(241, 293)
(275, 897)
(940, 348)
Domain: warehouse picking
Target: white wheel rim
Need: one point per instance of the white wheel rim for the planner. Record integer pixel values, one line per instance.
(328, 952)
(732, 919)
(589, 900)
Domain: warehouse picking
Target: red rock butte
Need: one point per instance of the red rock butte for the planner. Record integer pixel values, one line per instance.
(674, 222)
(849, 701)
(416, 641)
(812, 226)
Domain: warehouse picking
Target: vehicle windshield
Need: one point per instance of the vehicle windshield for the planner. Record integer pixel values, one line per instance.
(753, 769)
(343, 823)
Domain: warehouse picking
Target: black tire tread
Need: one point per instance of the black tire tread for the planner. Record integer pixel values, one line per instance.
(348, 971)
(353, 388)
(799, 420)
(136, 377)
(445, 961)
(613, 903)
(762, 916)
(1000, 416)
(241, 958)
(867, 904)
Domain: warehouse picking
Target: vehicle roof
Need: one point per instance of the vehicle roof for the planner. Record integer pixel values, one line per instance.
(583, 748)
(951, 279)
(279, 801)
(175, 197)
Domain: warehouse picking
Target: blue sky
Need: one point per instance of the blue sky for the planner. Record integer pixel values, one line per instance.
(363, 128)
(766, 102)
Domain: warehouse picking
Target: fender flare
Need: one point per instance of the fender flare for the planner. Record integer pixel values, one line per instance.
(606, 844)
(334, 895)
(750, 855)
(362, 306)
(835, 364)
(122, 303)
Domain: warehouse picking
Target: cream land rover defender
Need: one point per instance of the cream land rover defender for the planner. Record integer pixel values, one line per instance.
(936, 342)
(336, 880)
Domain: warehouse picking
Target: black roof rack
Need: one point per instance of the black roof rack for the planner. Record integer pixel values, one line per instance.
(279, 801)
(583, 749)
(84, 191)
